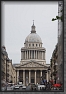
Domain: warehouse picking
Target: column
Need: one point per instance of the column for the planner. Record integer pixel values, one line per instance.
(38, 54)
(34, 54)
(29, 54)
(41, 73)
(42, 54)
(35, 76)
(17, 76)
(25, 54)
(24, 77)
(21, 55)
(47, 76)
(29, 76)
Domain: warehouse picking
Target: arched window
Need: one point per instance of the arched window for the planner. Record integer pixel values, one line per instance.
(36, 44)
(32, 44)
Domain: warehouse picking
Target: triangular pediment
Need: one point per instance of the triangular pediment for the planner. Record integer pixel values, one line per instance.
(33, 64)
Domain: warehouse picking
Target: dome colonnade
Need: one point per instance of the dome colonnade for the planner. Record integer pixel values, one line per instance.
(33, 44)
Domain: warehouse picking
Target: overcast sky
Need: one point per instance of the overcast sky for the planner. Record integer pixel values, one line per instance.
(17, 19)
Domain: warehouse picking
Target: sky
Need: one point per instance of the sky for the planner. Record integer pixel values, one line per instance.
(17, 19)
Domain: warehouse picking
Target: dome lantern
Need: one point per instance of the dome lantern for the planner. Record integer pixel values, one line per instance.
(33, 28)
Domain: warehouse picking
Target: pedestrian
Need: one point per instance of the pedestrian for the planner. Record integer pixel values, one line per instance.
(47, 86)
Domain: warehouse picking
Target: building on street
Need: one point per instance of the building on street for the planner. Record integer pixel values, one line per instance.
(32, 67)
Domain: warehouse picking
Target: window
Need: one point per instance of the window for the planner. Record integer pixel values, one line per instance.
(33, 44)
(39, 45)
(29, 44)
(36, 44)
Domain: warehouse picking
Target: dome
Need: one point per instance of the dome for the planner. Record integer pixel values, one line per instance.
(33, 37)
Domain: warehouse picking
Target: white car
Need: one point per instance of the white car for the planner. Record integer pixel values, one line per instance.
(23, 87)
(16, 87)
(40, 87)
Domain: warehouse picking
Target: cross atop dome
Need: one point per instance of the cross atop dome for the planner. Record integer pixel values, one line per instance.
(33, 28)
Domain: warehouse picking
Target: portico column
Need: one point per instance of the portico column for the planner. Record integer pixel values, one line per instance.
(35, 76)
(29, 76)
(17, 76)
(41, 73)
(47, 76)
(24, 77)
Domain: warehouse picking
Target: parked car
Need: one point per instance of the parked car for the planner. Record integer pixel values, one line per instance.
(41, 87)
(23, 87)
(16, 86)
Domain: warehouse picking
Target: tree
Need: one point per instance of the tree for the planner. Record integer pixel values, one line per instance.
(59, 17)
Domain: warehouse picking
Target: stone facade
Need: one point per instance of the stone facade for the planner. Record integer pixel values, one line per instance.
(8, 73)
(53, 64)
(32, 67)
(4, 56)
(60, 43)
